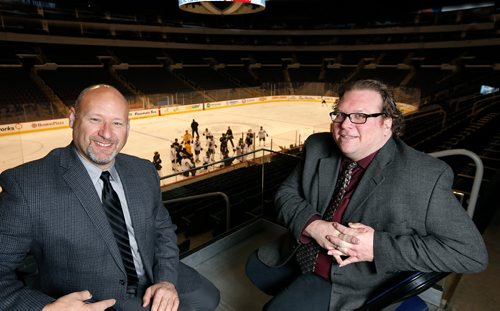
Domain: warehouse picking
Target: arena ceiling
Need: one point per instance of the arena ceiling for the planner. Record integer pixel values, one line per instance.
(285, 25)
(279, 14)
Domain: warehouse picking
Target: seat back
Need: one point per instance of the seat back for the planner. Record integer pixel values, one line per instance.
(410, 284)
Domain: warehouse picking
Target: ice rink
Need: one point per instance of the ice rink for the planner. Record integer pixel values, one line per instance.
(285, 122)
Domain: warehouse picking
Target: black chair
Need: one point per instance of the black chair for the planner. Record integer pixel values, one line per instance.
(410, 285)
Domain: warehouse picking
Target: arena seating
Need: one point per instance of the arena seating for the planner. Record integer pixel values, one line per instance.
(242, 74)
(67, 83)
(156, 80)
(18, 88)
(65, 68)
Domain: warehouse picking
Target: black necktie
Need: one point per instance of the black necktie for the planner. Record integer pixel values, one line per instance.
(113, 210)
(308, 253)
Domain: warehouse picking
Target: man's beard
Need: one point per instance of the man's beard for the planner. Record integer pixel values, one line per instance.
(99, 161)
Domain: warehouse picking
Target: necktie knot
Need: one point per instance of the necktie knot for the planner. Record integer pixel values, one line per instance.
(105, 176)
(351, 166)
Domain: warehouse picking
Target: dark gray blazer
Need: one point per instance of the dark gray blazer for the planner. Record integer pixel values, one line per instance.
(50, 208)
(405, 195)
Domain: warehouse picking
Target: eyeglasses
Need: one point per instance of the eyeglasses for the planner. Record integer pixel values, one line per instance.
(356, 118)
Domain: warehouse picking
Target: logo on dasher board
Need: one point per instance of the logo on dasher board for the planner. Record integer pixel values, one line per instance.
(8, 128)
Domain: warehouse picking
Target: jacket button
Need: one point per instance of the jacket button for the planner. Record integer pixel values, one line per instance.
(122, 282)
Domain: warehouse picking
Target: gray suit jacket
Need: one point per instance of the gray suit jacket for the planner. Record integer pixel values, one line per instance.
(405, 195)
(50, 208)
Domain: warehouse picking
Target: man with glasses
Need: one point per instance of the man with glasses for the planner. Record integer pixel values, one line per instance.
(361, 207)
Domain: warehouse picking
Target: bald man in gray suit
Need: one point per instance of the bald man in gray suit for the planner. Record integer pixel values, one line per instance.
(52, 209)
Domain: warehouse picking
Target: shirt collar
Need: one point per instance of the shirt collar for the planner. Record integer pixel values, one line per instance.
(363, 163)
(94, 171)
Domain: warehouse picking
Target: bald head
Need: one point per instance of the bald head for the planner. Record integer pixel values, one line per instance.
(100, 124)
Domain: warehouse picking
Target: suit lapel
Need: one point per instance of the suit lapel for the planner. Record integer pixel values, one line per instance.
(367, 186)
(78, 180)
(373, 177)
(328, 171)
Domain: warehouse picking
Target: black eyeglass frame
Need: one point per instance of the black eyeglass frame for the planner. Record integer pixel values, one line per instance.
(335, 115)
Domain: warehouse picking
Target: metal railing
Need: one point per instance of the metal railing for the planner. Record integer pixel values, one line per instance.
(243, 160)
(478, 177)
(246, 193)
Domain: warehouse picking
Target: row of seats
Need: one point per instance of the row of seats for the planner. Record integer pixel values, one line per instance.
(68, 82)
(199, 216)
(17, 88)
(244, 190)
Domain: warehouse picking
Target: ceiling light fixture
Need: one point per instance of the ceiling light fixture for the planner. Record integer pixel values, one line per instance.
(222, 7)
